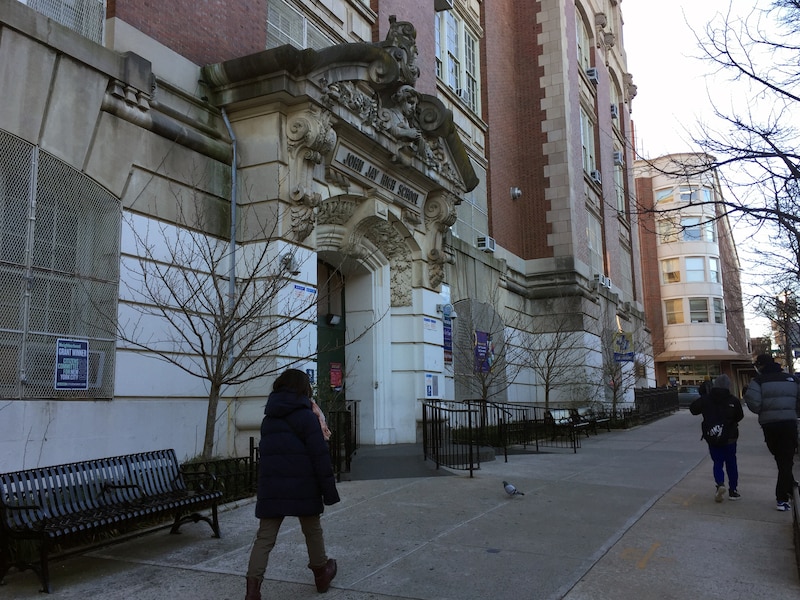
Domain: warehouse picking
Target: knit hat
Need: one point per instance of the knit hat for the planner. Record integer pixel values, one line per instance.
(763, 360)
(723, 381)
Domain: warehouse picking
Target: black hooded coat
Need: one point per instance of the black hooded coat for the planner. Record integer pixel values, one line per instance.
(295, 476)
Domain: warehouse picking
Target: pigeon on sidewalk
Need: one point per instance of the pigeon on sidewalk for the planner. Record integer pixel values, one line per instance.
(511, 489)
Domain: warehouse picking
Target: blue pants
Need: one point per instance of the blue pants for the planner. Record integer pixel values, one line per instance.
(724, 457)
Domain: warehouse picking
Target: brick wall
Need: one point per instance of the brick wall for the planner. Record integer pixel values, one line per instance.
(205, 32)
(512, 94)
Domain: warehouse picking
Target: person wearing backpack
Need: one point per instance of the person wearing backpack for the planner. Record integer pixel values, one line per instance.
(774, 396)
(721, 412)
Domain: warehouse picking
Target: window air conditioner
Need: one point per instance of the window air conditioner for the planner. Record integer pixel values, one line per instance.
(595, 175)
(486, 244)
(602, 280)
(591, 73)
(618, 161)
(614, 111)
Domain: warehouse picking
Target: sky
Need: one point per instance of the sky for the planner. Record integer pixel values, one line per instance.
(673, 83)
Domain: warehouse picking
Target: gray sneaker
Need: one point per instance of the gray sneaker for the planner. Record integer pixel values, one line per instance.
(720, 493)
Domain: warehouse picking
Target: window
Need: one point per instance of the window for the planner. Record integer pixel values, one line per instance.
(594, 236)
(695, 268)
(671, 270)
(457, 57)
(689, 194)
(287, 26)
(690, 230)
(698, 310)
(674, 310)
(587, 141)
(713, 269)
(619, 182)
(664, 196)
(584, 44)
(719, 311)
(667, 231)
(709, 231)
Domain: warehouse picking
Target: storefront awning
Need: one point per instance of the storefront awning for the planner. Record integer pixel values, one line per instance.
(690, 355)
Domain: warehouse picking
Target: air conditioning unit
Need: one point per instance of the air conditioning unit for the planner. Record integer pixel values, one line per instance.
(439, 5)
(595, 175)
(618, 159)
(591, 73)
(614, 111)
(486, 244)
(602, 280)
(626, 307)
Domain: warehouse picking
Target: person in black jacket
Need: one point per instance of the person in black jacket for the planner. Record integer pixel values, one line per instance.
(774, 396)
(721, 412)
(295, 478)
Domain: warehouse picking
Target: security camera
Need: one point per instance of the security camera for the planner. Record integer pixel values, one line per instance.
(289, 264)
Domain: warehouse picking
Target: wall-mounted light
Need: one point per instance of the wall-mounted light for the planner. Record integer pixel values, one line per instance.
(447, 311)
(332, 319)
(516, 193)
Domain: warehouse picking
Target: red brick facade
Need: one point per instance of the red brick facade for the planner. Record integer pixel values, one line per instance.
(512, 96)
(204, 32)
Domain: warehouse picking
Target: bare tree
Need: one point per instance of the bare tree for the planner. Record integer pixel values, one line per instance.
(218, 313)
(752, 141)
(486, 351)
(554, 346)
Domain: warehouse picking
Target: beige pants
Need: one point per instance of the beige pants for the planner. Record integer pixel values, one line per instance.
(267, 534)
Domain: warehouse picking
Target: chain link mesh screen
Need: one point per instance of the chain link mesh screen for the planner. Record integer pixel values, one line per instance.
(86, 17)
(59, 272)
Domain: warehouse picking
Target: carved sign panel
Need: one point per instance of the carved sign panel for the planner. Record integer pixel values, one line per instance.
(351, 161)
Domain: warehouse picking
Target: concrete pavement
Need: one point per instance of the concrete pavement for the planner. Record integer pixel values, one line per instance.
(631, 515)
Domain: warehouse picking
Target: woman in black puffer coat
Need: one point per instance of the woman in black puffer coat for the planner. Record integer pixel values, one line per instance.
(295, 478)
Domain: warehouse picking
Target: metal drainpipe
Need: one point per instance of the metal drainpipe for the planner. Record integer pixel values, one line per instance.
(232, 269)
(29, 240)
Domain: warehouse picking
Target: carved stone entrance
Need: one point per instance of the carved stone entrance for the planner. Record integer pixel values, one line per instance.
(364, 170)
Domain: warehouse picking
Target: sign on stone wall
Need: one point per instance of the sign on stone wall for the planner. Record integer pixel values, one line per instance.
(350, 160)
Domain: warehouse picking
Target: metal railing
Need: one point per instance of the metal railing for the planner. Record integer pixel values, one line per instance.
(448, 435)
(344, 440)
(236, 476)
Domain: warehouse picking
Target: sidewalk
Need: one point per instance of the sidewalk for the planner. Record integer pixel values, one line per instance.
(631, 515)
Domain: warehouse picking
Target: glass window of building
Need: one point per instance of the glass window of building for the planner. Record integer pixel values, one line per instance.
(671, 270)
(690, 228)
(689, 193)
(587, 141)
(719, 310)
(664, 196)
(285, 25)
(709, 231)
(619, 180)
(695, 268)
(674, 311)
(713, 269)
(698, 310)
(594, 236)
(667, 231)
(458, 57)
(584, 44)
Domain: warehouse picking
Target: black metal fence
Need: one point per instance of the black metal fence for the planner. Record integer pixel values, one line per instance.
(448, 435)
(344, 440)
(236, 476)
(654, 403)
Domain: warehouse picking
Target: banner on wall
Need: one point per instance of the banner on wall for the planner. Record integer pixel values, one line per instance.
(484, 352)
(623, 347)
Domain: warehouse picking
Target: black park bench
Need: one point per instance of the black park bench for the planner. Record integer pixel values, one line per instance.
(62, 503)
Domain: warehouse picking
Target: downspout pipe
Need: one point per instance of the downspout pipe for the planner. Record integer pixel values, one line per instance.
(232, 268)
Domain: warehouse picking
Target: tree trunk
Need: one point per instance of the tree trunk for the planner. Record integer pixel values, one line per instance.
(211, 421)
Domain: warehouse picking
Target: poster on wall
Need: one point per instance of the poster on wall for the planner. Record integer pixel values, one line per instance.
(337, 378)
(623, 347)
(484, 351)
(72, 365)
(447, 328)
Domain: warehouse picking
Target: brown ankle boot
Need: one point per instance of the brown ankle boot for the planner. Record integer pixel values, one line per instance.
(253, 588)
(324, 575)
